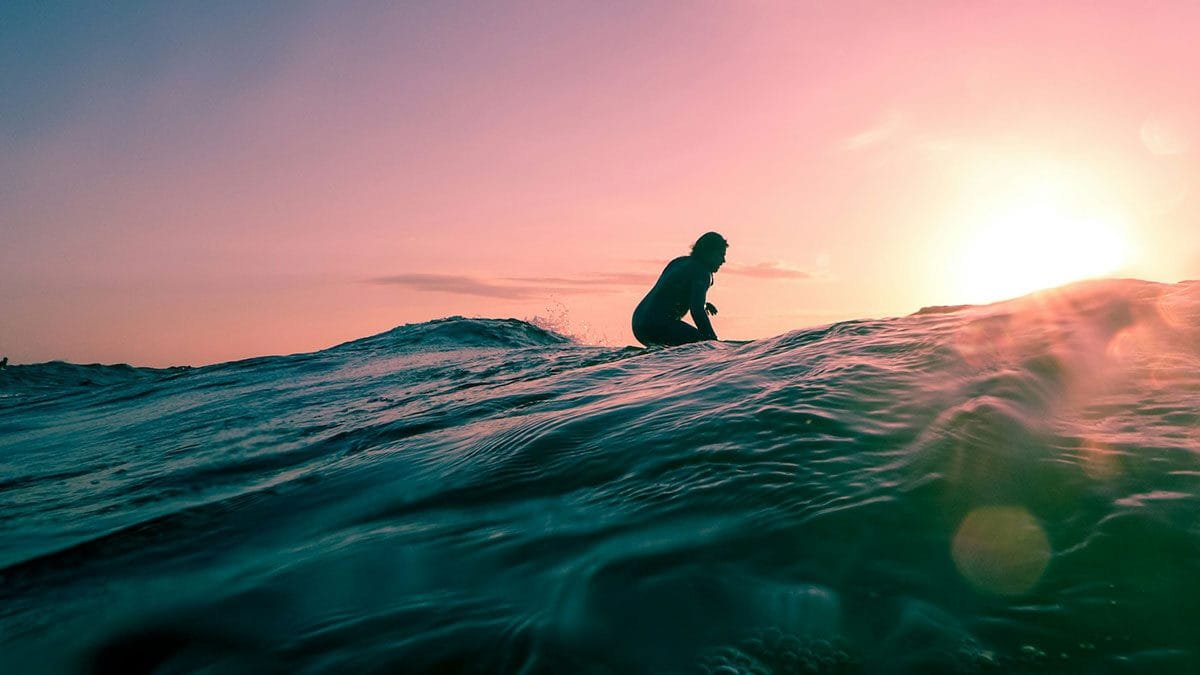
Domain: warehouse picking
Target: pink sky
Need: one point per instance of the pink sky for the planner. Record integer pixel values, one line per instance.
(174, 193)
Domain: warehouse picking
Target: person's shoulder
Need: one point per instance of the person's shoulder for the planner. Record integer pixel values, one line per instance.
(694, 267)
(687, 268)
(678, 265)
(686, 262)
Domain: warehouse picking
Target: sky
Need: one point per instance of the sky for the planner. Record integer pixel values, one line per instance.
(196, 182)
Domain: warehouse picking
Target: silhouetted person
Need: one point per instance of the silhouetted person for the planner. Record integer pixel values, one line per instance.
(681, 288)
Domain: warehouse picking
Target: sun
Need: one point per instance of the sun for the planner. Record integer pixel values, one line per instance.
(1037, 237)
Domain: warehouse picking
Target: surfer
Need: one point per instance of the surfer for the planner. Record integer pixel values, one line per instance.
(682, 287)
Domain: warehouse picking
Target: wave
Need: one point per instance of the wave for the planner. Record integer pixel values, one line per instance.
(57, 374)
(457, 332)
(1008, 488)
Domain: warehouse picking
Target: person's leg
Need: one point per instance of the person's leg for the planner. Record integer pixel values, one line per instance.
(668, 334)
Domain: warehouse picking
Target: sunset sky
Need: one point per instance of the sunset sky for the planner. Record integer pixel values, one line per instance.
(188, 183)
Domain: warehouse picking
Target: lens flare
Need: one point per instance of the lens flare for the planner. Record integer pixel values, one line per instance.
(1127, 345)
(1001, 550)
(1176, 311)
(1170, 132)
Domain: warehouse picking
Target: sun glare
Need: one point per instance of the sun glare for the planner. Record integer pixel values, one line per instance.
(1037, 239)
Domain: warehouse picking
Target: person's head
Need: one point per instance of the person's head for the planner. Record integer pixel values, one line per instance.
(710, 248)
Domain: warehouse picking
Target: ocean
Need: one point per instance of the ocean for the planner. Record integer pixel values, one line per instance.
(1009, 488)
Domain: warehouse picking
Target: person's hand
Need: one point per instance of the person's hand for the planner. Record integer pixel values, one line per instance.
(710, 308)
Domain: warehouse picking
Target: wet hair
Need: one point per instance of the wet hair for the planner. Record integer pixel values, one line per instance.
(708, 242)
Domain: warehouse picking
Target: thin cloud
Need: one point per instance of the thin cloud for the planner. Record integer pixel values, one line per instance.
(876, 135)
(763, 270)
(609, 279)
(526, 288)
(767, 271)
(454, 284)
(530, 288)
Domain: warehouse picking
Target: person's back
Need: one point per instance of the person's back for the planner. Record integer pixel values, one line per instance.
(682, 287)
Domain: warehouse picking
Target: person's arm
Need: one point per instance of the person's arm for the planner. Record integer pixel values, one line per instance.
(699, 292)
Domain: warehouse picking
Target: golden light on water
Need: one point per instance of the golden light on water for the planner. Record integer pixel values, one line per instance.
(984, 344)
(1100, 461)
(1001, 550)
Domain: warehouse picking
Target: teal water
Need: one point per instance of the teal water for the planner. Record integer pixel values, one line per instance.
(1009, 488)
